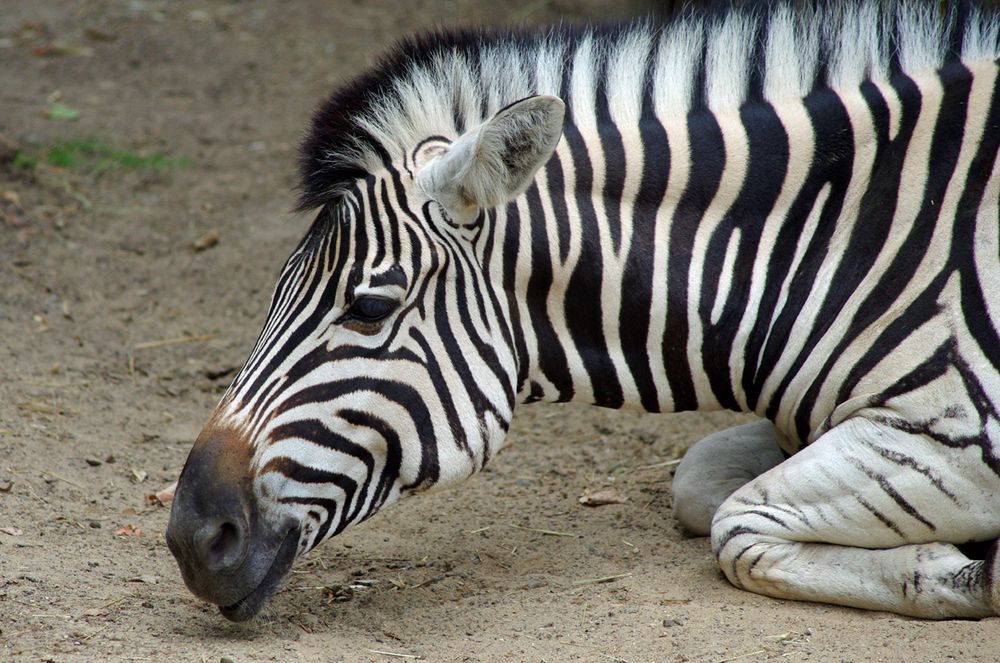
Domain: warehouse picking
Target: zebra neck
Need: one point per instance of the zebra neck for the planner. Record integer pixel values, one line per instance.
(620, 266)
(643, 269)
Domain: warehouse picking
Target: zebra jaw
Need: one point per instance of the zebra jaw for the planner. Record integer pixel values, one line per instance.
(249, 605)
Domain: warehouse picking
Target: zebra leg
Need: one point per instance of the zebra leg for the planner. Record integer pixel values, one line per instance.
(716, 466)
(866, 517)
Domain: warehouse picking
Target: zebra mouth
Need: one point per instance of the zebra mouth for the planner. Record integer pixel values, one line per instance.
(250, 605)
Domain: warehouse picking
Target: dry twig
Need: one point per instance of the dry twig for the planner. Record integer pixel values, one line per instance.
(389, 653)
(547, 532)
(596, 581)
(163, 342)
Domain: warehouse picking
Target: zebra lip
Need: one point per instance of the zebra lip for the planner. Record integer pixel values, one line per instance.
(250, 605)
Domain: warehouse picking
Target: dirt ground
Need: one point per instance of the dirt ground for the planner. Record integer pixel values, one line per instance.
(98, 264)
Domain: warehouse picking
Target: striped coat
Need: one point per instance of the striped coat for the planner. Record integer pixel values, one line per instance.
(786, 212)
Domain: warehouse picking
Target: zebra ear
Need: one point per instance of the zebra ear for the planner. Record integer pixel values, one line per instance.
(495, 162)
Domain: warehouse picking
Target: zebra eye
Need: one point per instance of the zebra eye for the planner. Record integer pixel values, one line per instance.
(366, 314)
(371, 309)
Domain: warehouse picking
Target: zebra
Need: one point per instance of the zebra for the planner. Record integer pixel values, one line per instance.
(788, 211)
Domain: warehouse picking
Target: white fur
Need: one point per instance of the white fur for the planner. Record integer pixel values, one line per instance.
(729, 44)
(982, 34)
(673, 79)
(791, 55)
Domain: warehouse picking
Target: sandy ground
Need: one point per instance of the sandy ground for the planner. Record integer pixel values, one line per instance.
(96, 262)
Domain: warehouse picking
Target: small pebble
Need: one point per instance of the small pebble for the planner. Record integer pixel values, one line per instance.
(94, 524)
(226, 659)
(93, 462)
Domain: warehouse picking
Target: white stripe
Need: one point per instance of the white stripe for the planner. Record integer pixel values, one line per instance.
(726, 277)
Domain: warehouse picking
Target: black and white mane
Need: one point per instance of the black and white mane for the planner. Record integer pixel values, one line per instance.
(445, 82)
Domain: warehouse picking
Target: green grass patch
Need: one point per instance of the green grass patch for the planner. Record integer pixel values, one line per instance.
(94, 155)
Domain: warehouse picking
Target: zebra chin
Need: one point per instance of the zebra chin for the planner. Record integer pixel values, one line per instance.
(228, 551)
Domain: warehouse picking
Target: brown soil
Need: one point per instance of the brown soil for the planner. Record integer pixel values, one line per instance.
(95, 262)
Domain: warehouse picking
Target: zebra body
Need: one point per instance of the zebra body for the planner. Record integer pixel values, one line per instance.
(786, 212)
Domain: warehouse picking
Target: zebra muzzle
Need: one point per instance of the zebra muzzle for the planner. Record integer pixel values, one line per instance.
(229, 554)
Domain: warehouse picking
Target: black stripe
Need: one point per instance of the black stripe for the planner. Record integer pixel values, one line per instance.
(708, 158)
(984, 164)
(557, 194)
(637, 277)
(406, 396)
(889, 490)
(551, 357)
(511, 257)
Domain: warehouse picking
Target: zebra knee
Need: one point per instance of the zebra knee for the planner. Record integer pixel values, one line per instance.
(716, 467)
(697, 496)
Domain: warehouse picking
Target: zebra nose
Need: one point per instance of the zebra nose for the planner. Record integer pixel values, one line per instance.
(221, 544)
(210, 531)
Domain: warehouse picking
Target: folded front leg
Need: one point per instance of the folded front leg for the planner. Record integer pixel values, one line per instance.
(867, 516)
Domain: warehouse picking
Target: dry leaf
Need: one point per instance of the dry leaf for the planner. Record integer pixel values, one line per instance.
(60, 48)
(163, 496)
(147, 579)
(602, 498)
(98, 34)
(37, 407)
(128, 530)
(206, 241)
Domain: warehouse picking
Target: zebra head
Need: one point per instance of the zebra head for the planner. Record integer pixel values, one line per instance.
(386, 365)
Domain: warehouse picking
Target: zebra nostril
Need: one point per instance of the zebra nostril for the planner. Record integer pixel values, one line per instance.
(222, 545)
(223, 541)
